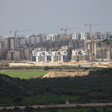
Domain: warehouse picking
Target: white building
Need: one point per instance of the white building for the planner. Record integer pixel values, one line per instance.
(76, 36)
(95, 35)
(55, 56)
(63, 55)
(101, 35)
(86, 35)
(52, 37)
(41, 55)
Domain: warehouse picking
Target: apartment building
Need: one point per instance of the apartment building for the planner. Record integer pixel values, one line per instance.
(10, 43)
(103, 54)
(79, 55)
(52, 37)
(101, 35)
(13, 55)
(42, 55)
(76, 36)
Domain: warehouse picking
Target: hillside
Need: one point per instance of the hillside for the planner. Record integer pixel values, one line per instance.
(11, 90)
(95, 87)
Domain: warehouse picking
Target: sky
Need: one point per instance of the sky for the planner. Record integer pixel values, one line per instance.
(49, 16)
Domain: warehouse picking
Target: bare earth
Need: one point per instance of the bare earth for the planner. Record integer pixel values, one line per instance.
(64, 74)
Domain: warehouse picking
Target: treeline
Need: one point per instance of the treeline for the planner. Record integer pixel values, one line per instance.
(74, 68)
(96, 87)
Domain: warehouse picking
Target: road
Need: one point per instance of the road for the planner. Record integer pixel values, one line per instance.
(61, 105)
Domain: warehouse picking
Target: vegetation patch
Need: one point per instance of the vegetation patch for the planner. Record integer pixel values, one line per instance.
(24, 74)
(93, 88)
(28, 74)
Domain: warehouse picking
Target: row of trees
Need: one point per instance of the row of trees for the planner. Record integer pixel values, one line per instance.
(6, 67)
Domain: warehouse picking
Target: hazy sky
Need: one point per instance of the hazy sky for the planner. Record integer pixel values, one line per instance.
(49, 16)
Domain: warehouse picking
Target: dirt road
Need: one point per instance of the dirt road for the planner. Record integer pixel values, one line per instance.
(61, 105)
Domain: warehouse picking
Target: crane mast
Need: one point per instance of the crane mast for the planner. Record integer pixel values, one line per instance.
(65, 29)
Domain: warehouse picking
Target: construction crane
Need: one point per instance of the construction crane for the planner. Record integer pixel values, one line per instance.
(16, 31)
(65, 29)
(90, 28)
(92, 41)
(90, 25)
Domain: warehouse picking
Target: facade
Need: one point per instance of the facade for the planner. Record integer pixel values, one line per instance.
(10, 43)
(103, 54)
(52, 37)
(3, 54)
(95, 35)
(79, 55)
(76, 36)
(75, 44)
(86, 35)
(55, 56)
(101, 35)
(13, 55)
(55, 47)
(41, 55)
(38, 53)
(1, 45)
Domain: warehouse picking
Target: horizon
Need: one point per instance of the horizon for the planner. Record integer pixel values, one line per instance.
(50, 16)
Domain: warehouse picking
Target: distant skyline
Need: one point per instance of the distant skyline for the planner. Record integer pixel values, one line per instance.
(49, 16)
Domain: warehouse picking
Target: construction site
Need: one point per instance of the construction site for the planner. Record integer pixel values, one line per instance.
(74, 49)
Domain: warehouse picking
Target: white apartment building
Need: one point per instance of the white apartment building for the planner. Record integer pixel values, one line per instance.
(101, 35)
(55, 56)
(41, 55)
(95, 35)
(63, 55)
(52, 37)
(86, 35)
(76, 36)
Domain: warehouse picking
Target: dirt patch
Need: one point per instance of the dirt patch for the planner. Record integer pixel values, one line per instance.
(64, 74)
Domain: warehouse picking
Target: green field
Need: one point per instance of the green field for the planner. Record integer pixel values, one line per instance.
(24, 74)
(50, 99)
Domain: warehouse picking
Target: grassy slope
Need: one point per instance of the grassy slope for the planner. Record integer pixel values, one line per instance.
(24, 74)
